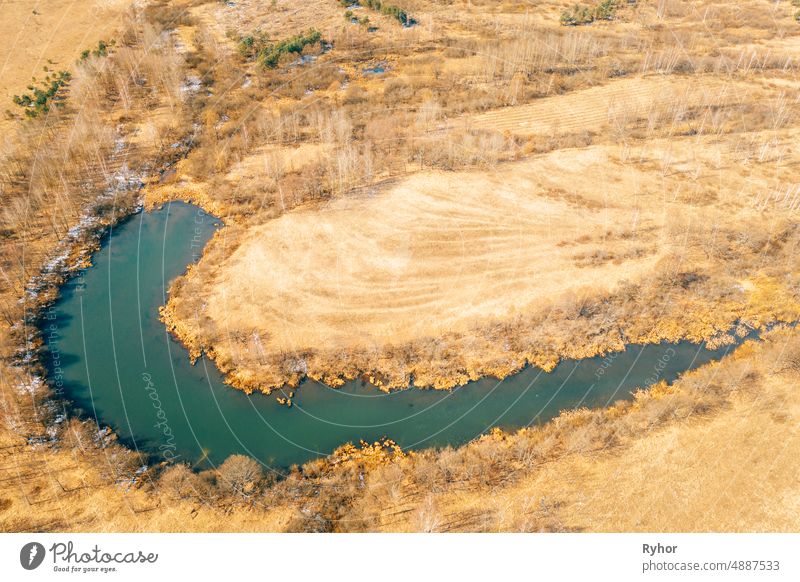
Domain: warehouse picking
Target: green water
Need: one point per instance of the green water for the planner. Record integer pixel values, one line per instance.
(111, 357)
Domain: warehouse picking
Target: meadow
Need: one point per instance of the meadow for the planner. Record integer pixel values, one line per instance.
(490, 186)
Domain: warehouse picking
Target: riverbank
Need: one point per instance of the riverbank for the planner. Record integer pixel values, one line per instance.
(69, 175)
(442, 278)
(722, 437)
(118, 365)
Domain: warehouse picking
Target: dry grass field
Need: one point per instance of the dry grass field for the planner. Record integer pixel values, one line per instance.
(49, 34)
(460, 255)
(614, 104)
(483, 190)
(606, 158)
(733, 469)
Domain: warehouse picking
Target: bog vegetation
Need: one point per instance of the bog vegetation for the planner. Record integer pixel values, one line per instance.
(175, 111)
(40, 98)
(585, 14)
(389, 9)
(257, 46)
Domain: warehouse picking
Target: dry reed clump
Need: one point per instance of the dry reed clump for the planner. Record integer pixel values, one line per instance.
(465, 149)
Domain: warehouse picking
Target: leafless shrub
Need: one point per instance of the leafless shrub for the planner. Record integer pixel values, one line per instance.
(240, 475)
(180, 482)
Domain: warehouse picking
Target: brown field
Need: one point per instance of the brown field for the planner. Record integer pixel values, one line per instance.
(732, 472)
(507, 191)
(435, 253)
(462, 254)
(615, 104)
(408, 270)
(49, 33)
(270, 159)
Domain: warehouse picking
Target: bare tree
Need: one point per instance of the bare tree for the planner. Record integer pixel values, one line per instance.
(240, 474)
(427, 516)
(180, 482)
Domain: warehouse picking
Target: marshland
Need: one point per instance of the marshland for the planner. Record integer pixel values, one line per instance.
(420, 207)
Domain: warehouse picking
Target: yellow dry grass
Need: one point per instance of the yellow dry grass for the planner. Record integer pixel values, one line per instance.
(617, 102)
(430, 256)
(734, 472)
(271, 159)
(49, 33)
(452, 254)
(437, 252)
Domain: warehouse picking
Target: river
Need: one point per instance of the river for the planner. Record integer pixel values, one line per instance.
(119, 365)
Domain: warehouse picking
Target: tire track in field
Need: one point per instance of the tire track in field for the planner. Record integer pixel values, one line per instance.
(594, 108)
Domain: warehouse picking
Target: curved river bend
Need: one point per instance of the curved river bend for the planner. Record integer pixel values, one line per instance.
(119, 365)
